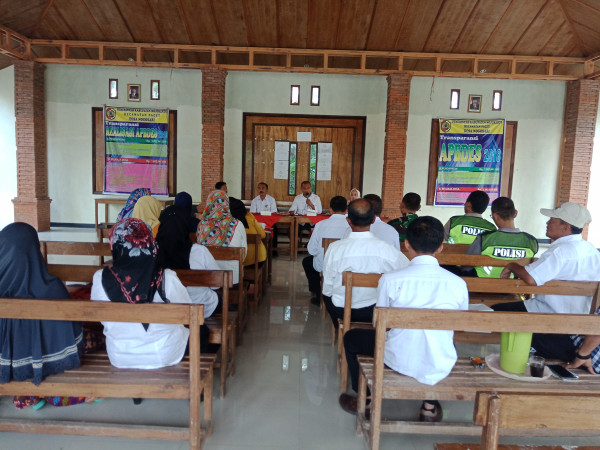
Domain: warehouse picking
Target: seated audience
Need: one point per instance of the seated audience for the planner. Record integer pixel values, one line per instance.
(130, 203)
(354, 194)
(33, 349)
(505, 243)
(464, 229)
(334, 227)
(218, 227)
(148, 209)
(136, 277)
(307, 201)
(568, 258)
(184, 200)
(221, 185)
(361, 252)
(379, 228)
(426, 355)
(409, 206)
(176, 251)
(263, 201)
(251, 225)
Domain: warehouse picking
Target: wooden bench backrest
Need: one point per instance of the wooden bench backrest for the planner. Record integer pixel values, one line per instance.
(326, 242)
(231, 254)
(75, 272)
(256, 240)
(354, 279)
(448, 248)
(457, 259)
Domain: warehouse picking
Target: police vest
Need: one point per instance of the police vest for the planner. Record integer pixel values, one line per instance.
(464, 229)
(503, 245)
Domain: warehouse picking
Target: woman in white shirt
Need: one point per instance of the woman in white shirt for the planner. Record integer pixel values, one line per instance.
(136, 277)
(218, 227)
(176, 251)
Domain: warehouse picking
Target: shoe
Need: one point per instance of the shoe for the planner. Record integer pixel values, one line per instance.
(436, 413)
(315, 300)
(137, 401)
(348, 403)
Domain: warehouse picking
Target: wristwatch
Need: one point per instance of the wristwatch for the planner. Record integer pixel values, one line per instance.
(578, 356)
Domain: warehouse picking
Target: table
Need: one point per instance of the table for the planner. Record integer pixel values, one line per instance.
(117, 201)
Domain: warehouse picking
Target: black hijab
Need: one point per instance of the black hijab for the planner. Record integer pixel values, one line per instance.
(185, 200)
(173, 239)
(238, 210)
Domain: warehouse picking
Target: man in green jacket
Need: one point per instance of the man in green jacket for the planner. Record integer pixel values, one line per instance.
(464, 229)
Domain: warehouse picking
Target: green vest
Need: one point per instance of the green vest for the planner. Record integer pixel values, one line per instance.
(503, 245)
(464, 229)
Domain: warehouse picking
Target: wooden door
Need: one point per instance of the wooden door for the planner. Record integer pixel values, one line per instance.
(346, 136)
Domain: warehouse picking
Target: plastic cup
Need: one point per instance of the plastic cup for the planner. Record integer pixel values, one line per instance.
(536, 366)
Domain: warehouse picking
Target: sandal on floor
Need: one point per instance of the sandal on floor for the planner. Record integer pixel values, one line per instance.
(436, 416)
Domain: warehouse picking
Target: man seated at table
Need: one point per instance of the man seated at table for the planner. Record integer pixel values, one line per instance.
(464, 229)
(334, 227)
(361, 252)
(307, 201)
(569, 258)
(426, 355)
(508, 242)
(263, 201)
(379, 228)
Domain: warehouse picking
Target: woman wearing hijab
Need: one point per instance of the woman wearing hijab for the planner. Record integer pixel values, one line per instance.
(218, 227)
(130, 203)
(32, 349)
(148, 209)
(238, 210)
(176, 251)
(354, 194)
(136, 277)
(184, 200)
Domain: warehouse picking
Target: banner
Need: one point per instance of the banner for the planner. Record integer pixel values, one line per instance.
(137, 149)
(469, 158)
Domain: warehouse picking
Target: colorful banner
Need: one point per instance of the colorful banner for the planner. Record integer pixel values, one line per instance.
(469, 158)
(137, 149)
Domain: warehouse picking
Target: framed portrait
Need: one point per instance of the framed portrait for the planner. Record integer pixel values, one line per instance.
(113, 88)
(155, 90)
(474, 105)
(133, 92)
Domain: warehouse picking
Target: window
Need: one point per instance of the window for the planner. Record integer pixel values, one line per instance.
(315, 95)
(113, 88)
(154, 90)
(497, 101)
(454, 98)
(295, 95)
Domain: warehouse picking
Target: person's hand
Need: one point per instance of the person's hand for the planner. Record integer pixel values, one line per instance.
(506, 272)
(580, 363)
(309, 203)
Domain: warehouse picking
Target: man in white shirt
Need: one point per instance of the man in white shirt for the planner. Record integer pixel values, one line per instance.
(568, 258)
(307, 201)
(426, 355)
(360, 252)
(334, 227)
(263, 201)
(379, 228)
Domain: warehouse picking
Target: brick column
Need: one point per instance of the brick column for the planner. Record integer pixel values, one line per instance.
(213, 120)
(580, 123)
(394, 157)
(32, 204)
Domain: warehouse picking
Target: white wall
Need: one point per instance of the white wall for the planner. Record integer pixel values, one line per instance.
(343, 95)
(538, 108)
(8, 146)
(72, 91)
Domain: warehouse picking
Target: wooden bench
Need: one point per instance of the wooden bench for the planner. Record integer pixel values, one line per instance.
(80, 273)
(254, 273)
(238, 295)
(97, 378)
(222, 326)
(465, 381)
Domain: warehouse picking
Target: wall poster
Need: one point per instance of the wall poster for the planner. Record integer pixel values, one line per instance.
(469, 158)
(137, 149)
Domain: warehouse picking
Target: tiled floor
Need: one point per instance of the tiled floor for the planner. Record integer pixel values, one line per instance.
(282, 396)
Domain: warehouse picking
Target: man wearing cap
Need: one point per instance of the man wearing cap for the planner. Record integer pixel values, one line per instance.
(568, 258)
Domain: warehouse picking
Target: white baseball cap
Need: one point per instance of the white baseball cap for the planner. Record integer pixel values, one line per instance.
(570, 212)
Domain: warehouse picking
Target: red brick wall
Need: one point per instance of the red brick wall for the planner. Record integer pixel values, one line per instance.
(213, 120)
(32, 204)
(580, 124)
(394, 158)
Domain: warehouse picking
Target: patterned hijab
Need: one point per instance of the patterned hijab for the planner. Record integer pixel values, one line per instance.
(134, 275)
(148, 209)
(133, 198)
(173, 238)
(216, 225)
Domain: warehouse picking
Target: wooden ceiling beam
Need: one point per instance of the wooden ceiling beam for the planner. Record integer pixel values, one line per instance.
(361, 61)
(14, 44)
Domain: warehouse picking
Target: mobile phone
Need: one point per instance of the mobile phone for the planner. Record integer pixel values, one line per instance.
(562, 373)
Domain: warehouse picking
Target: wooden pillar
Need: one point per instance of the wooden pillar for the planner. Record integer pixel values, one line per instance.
(394, 157)
(32, 204)
(580, 124)
(213, 121)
